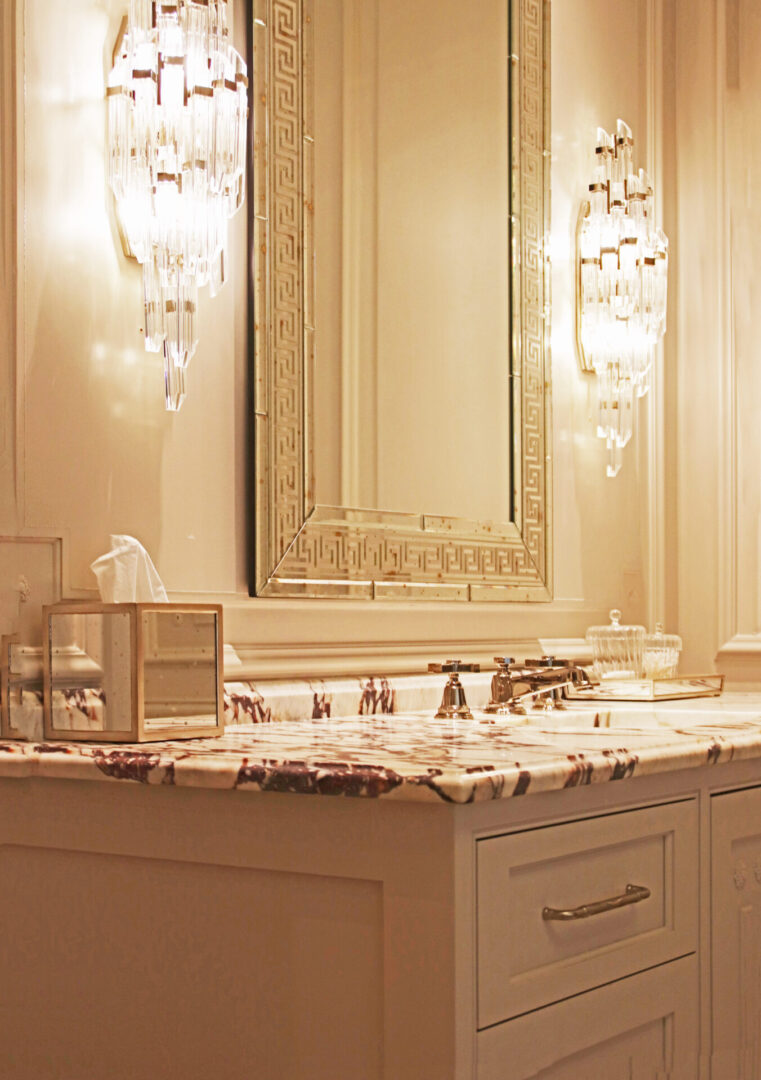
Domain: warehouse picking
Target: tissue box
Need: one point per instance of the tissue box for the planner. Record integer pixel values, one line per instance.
(132, 672)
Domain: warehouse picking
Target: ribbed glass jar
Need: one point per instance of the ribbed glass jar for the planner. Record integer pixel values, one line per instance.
(617, 649)
(661, 657)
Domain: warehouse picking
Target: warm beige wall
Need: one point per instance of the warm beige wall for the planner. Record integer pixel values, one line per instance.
(95, 452)
(716, 408)
(599, 73)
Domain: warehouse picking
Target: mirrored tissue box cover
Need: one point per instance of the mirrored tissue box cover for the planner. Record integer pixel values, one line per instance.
(132, 672)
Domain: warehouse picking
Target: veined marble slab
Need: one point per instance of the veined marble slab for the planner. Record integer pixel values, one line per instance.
(415, 757)
(267, 702)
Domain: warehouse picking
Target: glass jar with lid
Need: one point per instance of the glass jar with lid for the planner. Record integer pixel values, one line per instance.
(617, 649)
(661, 656)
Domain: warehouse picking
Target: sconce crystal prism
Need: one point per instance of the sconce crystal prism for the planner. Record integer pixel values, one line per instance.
(622, 276)
(177, 123)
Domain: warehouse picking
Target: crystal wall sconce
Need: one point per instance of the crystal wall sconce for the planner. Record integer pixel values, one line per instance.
(622, 273)
(177, 123)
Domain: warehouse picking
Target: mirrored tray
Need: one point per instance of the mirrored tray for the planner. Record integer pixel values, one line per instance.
(672, 689)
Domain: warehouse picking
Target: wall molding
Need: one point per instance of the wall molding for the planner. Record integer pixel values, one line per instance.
(739, 654)
(655, 568)
(727, 628)
(739, 659)
(333, 638)
(703, 415)
(8, 229)
(321, 661)
(30, 576)
(709, 482)
(17, 44)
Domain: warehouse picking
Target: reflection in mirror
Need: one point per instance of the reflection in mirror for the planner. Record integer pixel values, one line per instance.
(400, 299)
(180, 668)
(90, 677)
(144, 673)
(412, 285)
(21, 689)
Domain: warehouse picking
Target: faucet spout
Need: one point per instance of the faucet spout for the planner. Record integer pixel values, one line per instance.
(545, 682)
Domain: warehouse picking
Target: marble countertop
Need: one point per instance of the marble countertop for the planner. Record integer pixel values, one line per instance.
(412, 756)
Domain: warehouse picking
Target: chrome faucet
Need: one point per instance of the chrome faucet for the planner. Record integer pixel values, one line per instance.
(504, 698)
(453, 704)
(545, 682)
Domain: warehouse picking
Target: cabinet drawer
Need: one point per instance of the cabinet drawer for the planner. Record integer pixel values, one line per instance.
(644, 1026)
(526, 960)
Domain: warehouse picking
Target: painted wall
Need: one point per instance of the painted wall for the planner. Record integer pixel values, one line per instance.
(87, 448)
(96, 452)
(718, 393)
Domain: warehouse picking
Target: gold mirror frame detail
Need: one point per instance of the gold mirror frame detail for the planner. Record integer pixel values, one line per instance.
(302, 549)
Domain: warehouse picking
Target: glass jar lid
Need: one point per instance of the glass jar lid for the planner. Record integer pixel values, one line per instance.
(659, 640)
(615, 629)
(617, 649)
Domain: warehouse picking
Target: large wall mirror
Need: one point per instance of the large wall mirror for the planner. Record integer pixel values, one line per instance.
(400, 294)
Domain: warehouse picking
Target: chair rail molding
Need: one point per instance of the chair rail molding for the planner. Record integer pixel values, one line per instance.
(321, 638)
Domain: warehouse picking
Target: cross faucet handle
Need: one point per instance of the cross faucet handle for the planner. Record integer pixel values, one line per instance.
(453, 704)
(447, 667)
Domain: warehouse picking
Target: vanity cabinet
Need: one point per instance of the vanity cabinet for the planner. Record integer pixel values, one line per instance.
(346, 938)
(736, 935)
(640, 1028)
(550, 930)
(548, 924)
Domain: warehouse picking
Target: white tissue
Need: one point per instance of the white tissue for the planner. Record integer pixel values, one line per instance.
(126, 574)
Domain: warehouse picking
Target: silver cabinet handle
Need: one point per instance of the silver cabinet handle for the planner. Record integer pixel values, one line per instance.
(634, 894)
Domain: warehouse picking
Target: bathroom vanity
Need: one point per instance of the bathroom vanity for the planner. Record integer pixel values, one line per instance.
(389, 896)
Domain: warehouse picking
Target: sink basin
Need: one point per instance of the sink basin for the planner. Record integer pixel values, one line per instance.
(584, 720)
(702, 718)
(641, 720)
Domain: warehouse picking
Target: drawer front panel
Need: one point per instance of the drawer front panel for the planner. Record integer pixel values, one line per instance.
(526, 960)
(643, 1026)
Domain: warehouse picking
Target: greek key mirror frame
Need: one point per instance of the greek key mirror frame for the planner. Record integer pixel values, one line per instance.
(303, 549)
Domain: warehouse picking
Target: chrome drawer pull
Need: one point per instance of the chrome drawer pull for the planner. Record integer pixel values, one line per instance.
(634, 894)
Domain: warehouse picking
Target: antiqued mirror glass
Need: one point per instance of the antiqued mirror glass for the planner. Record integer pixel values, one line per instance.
(112, 677)
(91, 659)
(400, 212)
(179, 668)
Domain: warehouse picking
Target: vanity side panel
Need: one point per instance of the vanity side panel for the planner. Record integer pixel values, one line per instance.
(303, 915)
(736, 935)
(191, 970)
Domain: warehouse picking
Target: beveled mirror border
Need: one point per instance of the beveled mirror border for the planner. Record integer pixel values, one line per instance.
(306, 550)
